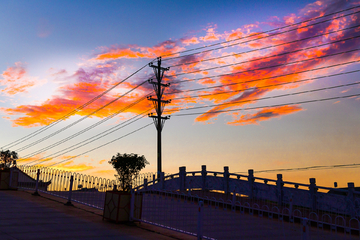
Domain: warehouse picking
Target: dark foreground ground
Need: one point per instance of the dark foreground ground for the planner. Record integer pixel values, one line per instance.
(23, 216)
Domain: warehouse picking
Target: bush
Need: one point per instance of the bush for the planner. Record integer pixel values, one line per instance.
(128, 167)
(7, 158)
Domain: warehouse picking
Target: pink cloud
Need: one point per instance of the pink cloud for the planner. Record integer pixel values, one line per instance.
(16, 80)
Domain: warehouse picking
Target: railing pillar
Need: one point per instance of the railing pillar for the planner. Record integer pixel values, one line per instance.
(350, 200)
(251, 183)
(305, 230)
(115, 187)
(203, 176)
(145, 184)
(226, 180)
(70, 192)
(200, 220)
(11, 176)
(132, 205)
(313, 191)
(162, 183)
(279, 189)
(182, 176)
(291, 218)
(36, 193)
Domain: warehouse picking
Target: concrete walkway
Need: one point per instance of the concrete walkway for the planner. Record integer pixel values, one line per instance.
(23, 216)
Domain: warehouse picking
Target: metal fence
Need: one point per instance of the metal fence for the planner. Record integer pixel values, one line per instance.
(86, 189)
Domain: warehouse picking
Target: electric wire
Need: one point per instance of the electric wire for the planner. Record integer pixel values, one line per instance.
(351, 165)
(235, 73)
(257, 34)
(93, 149)
(37, 132)
(262, 68)
(243, 101)
(270, 97)
(244, 109)
(86, 129)
(78, 121)
(268, 106)
(259, 87)
(91, 139)
(271, 46)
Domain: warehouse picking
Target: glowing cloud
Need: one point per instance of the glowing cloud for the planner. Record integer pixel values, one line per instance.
(16, 80)
(265, 114)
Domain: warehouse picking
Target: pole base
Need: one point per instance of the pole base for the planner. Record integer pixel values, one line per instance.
(36, 194)
(69, 204)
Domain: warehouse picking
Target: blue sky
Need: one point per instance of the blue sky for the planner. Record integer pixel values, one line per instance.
(47, 43)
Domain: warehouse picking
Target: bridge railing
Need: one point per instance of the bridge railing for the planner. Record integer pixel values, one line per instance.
(327, 203)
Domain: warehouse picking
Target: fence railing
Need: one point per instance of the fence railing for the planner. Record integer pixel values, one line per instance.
(86, 189)
(212, 218)
(325, 207)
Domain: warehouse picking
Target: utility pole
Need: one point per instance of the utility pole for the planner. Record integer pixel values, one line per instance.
(159, 105)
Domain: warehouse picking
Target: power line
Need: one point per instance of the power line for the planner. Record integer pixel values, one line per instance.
(280, 84)
(80, 120)
(117, 128)
(261, 33)
(255, 80)
(271, 46)
(271, 97)
(91, 139)
(262, 68)
(86, 129)
(37, 132)
(353, 165)
(269, 106)
(147, 125)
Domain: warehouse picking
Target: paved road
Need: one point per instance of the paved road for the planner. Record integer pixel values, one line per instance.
(23, 216)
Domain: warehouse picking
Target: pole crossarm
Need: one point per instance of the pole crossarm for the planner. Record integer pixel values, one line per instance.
(159, 105)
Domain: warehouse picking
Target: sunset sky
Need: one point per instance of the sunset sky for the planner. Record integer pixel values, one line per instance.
(254, 85)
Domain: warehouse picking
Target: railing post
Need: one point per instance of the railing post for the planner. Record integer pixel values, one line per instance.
(350, 200)
(279, 189)
(251, 182)
(182, 175)
(145, 184)
(115, 187)
(132, 205)
(200, 220)
(162, 184)
(305, 230)
(291, 218)
(203, 176)
(233, 200)
(313, 190)
(226, 180)
(36, 193)
(70, 192)
(11, 175)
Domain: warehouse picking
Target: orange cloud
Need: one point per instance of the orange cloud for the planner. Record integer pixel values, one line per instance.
(211, 35)
(89, 84)
(16, 80)
(244, 84)
(70, 166)
(265, 114)
(189, 41)
(133, 51)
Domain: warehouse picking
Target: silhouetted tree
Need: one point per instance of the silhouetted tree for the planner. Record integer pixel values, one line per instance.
(128, 167)
(7, 158)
